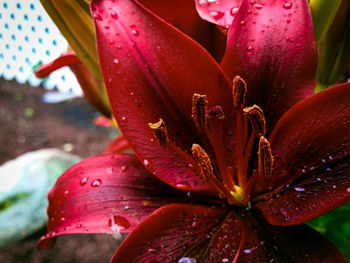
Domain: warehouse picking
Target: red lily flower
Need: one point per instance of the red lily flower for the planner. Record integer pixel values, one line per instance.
(217, 181)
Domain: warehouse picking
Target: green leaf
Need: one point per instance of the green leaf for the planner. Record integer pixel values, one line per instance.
(25, 183)
(336, 227)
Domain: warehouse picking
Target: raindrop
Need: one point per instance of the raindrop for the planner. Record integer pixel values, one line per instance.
(242, 23)
(287, 6)
(323, 160)
(299, 189)
(79, 225)
(126, 207)
(334, 186)
(83, 181)
(124, 167)
(96, 183)
(250, 50)
(145, 162)
(63, 219)
(217, 14)
(66, 193)
(187, 260)
(225, 260)
(348, 190)
(131, 93)
(247, 251)
(67, 228)
(182, 185)
(117, 223)
(233, 11)
(98, 17)
(135, 32)
(258, 6)
(114, 15)
(116, 62)
(152, 250)
(330, 157)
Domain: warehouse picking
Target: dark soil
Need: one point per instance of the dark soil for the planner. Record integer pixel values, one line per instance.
(27, 124)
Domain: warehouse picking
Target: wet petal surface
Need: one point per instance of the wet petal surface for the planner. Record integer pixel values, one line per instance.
(104, 194)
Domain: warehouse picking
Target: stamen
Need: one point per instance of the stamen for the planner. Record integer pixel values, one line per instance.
(216, 112)
(160, 132)
(265, 157)
(239, 91)
(257, 119)
(199, 111)
(203, 161)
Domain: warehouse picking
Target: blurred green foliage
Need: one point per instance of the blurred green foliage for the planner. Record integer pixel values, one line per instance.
(336, 227)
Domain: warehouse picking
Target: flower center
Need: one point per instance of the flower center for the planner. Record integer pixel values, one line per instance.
(234, 185)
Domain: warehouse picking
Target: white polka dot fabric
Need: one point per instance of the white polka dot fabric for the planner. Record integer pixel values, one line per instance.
(29, 37)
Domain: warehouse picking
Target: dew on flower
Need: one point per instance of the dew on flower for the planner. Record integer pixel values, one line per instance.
(114, 15)
(299, 189)
(135, 32)
(287, 5)
(96, 183)
(116, 62)
(83, 181)
(233, 11)
(187, 260)
(217, 14)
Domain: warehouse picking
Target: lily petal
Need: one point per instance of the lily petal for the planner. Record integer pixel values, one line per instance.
(183, 231)
(218, 12)
(311, 145)
(104, 194)
(206, 235)
(118, 145)
(182, 14)
(295, 244)
(271, 45)
(151, 71)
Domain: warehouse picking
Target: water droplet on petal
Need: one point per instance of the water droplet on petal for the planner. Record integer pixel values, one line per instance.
(83, 181)
(118, 223)
(145, 162)
(135, 32)
(233, 11)
(258, 6)
(116, 62)
(299, 189)
(224, 260)
(124, 167)
(247, 251)
(242, 23)
(348, 190)
(187, 260)
(66, 192)
(287, 6)
(96, 183)
(250, 50)
(98, 17)
(63, 219)
(79, 225)
(217, 14)
(114, 15)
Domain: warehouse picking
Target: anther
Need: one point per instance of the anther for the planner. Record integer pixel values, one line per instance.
(265, 157)
(257, 119)
(203, 161)
(239, 90)
(199, 111)
(216, 112)
(160, 132)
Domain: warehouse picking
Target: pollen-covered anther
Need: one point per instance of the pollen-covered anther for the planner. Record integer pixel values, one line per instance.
(203, 161)
(257, 119)
(239, 90)
(199, 111)
(265, 157)
(216, 112)
(160, 132)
